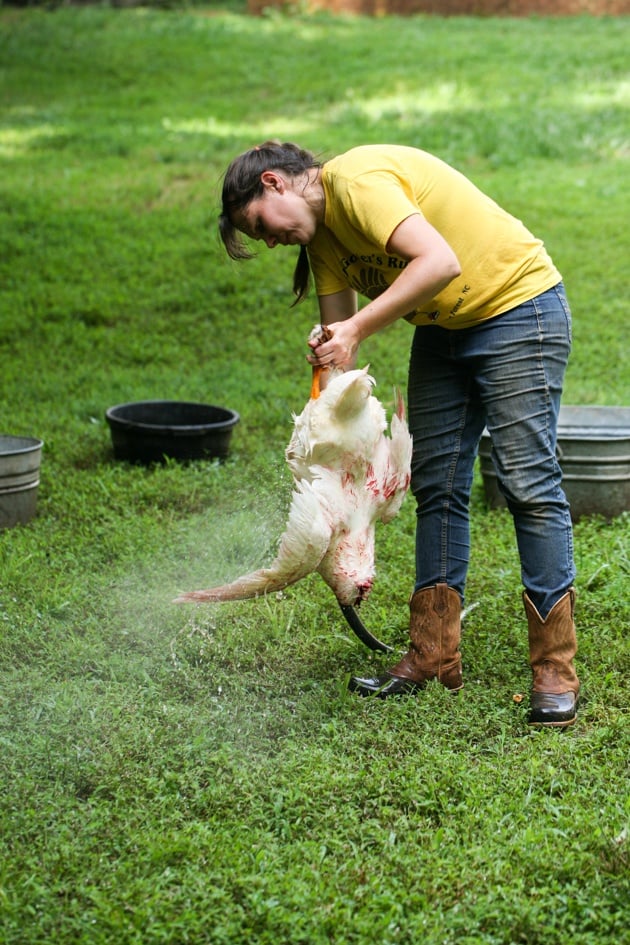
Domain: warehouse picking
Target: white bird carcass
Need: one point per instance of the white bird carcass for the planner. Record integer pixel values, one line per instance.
(348, 475)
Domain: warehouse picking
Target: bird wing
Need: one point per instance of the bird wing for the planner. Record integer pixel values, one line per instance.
(302, 547)
(388, 474)
(392, 466)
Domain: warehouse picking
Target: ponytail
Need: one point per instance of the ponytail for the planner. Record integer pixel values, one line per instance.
(301, 276)
(242, 184)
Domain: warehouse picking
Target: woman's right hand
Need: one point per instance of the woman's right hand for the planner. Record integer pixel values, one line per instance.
(337, 345)
(339, 350)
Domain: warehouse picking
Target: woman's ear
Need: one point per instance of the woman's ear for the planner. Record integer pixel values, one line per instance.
(272, 181)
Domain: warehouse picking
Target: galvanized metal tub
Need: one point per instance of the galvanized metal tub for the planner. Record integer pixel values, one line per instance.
(20, 460)
(594, 455)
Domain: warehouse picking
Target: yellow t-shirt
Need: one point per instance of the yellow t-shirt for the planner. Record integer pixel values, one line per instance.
(371, 189)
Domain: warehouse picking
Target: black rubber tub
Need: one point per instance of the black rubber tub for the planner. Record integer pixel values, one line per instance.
(150, 431)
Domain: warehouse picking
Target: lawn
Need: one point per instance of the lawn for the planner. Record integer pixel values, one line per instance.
(189, 775)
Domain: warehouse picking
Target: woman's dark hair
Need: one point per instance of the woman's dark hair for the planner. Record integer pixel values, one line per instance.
(242, 184)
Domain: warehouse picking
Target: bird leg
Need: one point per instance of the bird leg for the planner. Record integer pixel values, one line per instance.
(316, 388)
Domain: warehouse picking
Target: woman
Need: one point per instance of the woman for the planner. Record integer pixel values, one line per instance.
(491, 341)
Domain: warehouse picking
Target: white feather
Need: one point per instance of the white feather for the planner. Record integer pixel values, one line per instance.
(348, 475)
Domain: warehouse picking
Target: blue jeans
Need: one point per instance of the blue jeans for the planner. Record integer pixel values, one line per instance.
(506, 374)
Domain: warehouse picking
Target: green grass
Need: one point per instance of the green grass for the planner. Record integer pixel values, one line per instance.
(202, 776)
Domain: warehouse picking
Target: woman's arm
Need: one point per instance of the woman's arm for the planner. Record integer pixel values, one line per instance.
(432, 264)
(338, 306)
(333, 309)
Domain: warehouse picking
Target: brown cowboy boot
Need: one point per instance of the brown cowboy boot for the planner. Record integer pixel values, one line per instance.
(552, 646)
(435, 632)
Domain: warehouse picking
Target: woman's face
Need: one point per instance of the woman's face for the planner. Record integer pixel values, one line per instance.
(281, 216)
